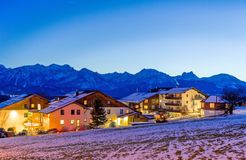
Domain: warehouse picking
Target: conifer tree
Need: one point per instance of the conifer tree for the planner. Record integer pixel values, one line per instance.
(98, 114)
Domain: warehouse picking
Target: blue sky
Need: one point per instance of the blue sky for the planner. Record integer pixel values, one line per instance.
(204, 36)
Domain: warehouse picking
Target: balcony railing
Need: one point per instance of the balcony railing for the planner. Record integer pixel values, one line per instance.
(173, 97)
(173, 109)
(173, 104)
(198, 97)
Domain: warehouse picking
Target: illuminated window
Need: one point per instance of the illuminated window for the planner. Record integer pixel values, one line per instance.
(145, 107)
(78, 123)
(32, 106)
(127, 111)
(212, 105)
(39, 107)
(85, 102)
(137, 106)
(62, 122)
(72, 121)
(109, 102)
(146, 101)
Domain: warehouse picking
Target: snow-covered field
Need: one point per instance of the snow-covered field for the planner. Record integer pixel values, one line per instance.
(211, 138)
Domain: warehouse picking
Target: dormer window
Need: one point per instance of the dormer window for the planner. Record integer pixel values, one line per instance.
(85, 102)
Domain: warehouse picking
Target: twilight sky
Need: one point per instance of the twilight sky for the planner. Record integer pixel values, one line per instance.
(204, 36)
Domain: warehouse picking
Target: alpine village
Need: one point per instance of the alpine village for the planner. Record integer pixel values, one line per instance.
(33, 114)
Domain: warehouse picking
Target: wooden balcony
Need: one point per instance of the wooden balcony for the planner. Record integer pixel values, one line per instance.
(173, 97)
(172, 109)
(173, 104)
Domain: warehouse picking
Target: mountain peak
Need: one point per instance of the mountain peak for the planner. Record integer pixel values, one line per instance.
(189, 75)
(2, 68)
(149, 72)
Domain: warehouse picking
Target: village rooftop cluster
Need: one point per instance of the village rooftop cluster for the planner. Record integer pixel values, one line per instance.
(33, 113)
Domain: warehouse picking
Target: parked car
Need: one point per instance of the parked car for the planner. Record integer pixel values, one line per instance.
(23, 133)
(3, 133)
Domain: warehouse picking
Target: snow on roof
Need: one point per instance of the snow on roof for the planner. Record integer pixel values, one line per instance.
(177, 90)
(64, 102)
(138, 97)
(215, 99)
(13, 100)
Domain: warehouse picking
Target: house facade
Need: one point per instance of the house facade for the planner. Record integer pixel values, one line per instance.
(181, 101)
(214, 106)
(74, 111)
(144, 102)
(171, 102)
(113, 107)
(22, 112)
(66, 116)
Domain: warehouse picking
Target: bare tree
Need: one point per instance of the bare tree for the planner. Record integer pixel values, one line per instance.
(232, 96)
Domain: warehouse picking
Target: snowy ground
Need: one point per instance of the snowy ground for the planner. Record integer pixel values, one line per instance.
(212, 138)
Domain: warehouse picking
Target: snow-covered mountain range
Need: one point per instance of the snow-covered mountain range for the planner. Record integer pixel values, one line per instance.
(61, 79)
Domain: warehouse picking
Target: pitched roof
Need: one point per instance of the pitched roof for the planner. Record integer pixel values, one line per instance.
(64, 102)
(138, 97)
(215, 99)
(13, 100)
(177, 90)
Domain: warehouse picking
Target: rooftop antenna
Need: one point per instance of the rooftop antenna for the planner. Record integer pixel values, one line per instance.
(77, 92)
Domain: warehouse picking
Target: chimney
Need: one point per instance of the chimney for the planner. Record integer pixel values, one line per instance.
(77, 92)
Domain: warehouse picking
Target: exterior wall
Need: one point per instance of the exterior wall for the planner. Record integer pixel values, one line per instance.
(210, 113)
(53, 120)
(214, 106)
(19, 116)
(191, 100)
(13, 118)
(110, 104)
(148, 106)
(186, 103)
(113, 113)
(106, 100)
(213, 109)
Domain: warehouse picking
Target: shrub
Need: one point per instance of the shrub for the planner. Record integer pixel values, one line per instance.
(11, 129)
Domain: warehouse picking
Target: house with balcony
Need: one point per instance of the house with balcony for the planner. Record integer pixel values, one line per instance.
(214, 106)
(73, 112)
(144, 102)
(22, 112)
(181, 101)
(167, 102)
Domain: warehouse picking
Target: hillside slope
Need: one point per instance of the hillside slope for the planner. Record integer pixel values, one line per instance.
(211, 138)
